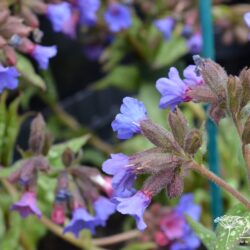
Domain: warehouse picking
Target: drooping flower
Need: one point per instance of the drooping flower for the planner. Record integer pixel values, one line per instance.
(190, 76)
(247, 18)
(172, 89)
(58, 214)
(172, 225)
(27, 205)
(81, 220)
(8, 78)
(88, 11)
(118, 17)
(165, 26)
(128, 121)
(103, 209)
(194, 43)
(59, 14)
(123, 175)
(42, 54)
(135, 206)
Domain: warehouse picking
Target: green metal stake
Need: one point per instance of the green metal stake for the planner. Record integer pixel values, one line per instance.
(208, 51)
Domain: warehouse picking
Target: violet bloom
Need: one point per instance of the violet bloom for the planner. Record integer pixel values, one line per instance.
(88, 10)
(59, 15)
(128, 121)
(165, 26)
(27, 205)
(103, 209)
(191, 77)
(8, 78)
(135, 206)
(42, 54)
(118, 17)
(189, 240)
(81, 220)
(247, 18)
(194, 44)
(123, 175)
(173, 90)
(172, 225)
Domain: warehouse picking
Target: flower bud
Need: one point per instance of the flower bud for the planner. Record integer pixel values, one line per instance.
(10, 55)
(179, 126)
(216, 113)
(246, 132)
(159, 136)
(193, 141)
(67, 157)
(175, 187)
(245, 82)
(37, 135)
(215, 77)
(30, 18)
(234, 94)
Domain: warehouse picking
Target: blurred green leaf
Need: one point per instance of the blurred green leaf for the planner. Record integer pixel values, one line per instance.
(27, 71)
(206, 236)
(169, 52)
(56, 151)
(123, 77)
(3, 118)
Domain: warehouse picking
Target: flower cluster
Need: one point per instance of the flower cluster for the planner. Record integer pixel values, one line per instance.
(169, 227)
(78, 187)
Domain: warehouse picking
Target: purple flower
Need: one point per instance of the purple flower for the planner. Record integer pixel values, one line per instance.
(187, 31)
(81, 220)
(42, 55)
(194, 44)
(59, 15)
(27, 205)
(118, 17)
(165, 26)
(123, 175)
(173, 90)
(191, 77)
(128, 121)
(135, 206)
(88, 10)
(8, 78)
(189, 240)
(103, 208)
(247, 18)
(172, 225)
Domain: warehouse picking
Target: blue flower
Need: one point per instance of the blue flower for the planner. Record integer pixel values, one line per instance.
(135, 206)
(81, 220)
(103, 209)
(189, 240)
(42, 55)
(165, 26)
(59, 15)
(88, 11)
(8, 78)
(190, 76)
(194, 44)
(128, 121)
(118, 17)
(247, 18)
(123, 175)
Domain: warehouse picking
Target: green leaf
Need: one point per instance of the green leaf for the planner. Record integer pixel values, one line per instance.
(123, 77)
(3, 118)
(27, 71)
(206, 236)
(169, 52)
(232, 227)
(56, 151)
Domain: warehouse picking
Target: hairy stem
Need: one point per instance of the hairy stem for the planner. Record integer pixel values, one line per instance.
(220, 182)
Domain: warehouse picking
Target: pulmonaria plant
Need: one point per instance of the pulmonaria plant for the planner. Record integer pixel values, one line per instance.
(172, 157)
